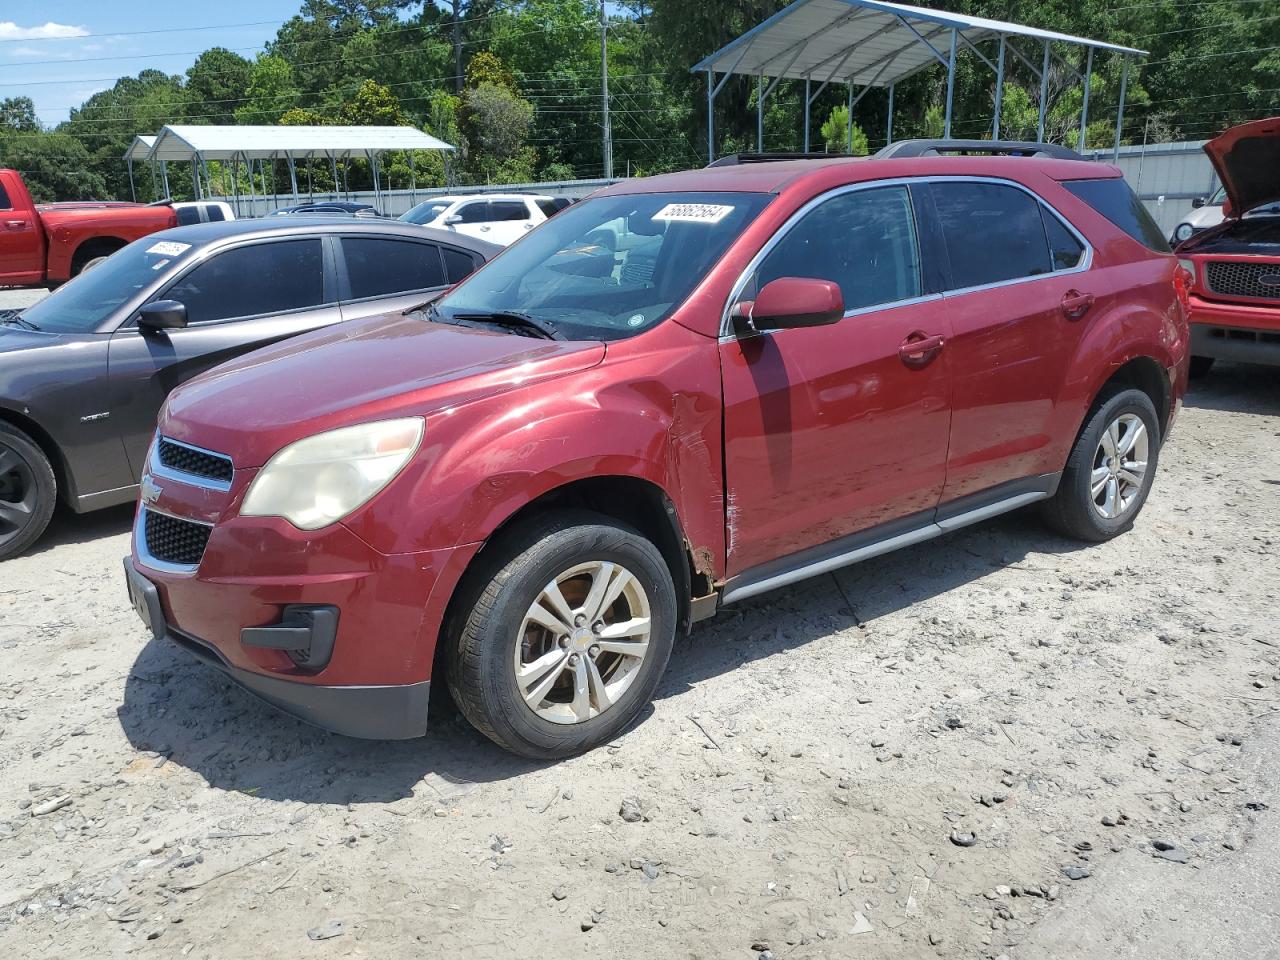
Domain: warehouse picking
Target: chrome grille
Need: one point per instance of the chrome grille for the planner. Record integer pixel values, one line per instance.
(200, 463)
(1232, 278)
(173, 540)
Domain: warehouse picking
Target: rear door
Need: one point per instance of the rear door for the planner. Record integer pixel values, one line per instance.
(238, 299)
(509, 220)
(1018, 300)
(22, 242)
(830, 431)
(387, 274)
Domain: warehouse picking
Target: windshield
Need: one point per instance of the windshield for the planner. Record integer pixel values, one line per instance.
(85, 302)
(424, 212)
(608, 267)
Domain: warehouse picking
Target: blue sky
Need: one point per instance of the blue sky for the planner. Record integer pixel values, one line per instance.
(56, 51)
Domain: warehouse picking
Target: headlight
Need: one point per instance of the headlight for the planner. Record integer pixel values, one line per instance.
(1183, 231)
(319, 480)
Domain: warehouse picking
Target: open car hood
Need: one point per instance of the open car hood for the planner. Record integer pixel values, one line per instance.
(1247, 159)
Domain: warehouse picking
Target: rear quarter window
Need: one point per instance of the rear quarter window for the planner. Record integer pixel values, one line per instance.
(1114, 200)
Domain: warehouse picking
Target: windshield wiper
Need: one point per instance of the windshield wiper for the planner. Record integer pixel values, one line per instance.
(515, 320)
(14, 317)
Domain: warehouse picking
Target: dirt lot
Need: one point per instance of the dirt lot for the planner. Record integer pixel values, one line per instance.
(911, 759)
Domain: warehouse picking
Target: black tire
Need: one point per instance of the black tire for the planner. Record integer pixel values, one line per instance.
(1072, 511)
(28, 491)
(480, 666)
(1200, 366)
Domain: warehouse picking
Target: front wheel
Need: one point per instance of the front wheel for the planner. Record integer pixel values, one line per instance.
(567, 638)
(1110, 470)
(28, 491)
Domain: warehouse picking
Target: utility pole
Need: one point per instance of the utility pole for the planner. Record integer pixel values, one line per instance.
(457, 48)
(604, 91)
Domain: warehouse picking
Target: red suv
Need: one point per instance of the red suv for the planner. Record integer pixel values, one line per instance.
(1235, 296)
(682, 392)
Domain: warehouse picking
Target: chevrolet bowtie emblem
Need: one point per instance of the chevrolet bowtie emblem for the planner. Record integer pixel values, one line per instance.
(150, 490)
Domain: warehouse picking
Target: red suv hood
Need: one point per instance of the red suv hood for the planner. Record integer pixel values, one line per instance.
(1247, 159)
(352, 372)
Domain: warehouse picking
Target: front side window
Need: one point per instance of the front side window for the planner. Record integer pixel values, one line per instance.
(863, 240)
(993, 233)
(609, 267)
(379, 268)
(477, 212)
(253, 280)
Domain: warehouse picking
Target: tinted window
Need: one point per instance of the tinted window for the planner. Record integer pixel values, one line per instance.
(187, 215)
(865, 241)
(256, 279)
(1064, 249)
(457, 263)
(992, 232)
(379, 268)
(4, 198)
(548, 207)
(474, 212)
(508, 210)
(215, 213)
(1114, 200)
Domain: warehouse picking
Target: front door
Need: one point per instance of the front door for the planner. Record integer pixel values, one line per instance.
(837, 429)
(22, 243)
(237, 300)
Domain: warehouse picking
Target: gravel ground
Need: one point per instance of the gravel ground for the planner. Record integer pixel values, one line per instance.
(951, 751)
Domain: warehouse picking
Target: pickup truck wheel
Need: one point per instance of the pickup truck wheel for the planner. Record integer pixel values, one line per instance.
(1110, 470)
(28, 491)
(1200, 366)
(568, 638)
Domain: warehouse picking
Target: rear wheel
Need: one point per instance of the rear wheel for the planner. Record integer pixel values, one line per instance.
(28, 491)
(566, 637)
(1110, 470)
(1200, 366)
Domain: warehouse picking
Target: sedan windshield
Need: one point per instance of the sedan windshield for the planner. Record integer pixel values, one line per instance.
(81, 305)
(609, 267)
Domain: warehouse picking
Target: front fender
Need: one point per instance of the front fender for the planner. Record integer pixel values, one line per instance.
(651, 411)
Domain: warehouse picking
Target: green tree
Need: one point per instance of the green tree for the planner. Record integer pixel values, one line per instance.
(495, 123)
(835, 134)
(18, 115)
(55, 166)
(270, 93)
(217, 82)
(374, 105)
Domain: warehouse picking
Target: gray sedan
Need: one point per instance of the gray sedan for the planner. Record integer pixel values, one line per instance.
(84, 372)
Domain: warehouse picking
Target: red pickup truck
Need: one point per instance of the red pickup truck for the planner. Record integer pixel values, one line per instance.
(49, 243)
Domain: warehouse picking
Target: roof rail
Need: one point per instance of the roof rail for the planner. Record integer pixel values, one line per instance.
(733, 159)
(1006, 148)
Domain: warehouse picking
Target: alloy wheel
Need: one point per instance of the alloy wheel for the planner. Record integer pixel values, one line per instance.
(1119, 466)
(582, 642)
(17, 494)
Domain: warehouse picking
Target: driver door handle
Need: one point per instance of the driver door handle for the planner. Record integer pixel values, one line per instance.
(919, 348)
(15, 224)
(1076, 304)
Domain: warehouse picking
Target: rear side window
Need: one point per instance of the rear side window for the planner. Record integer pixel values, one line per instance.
(507, 210)
(864, 240)
(993, 233)
(1064, 249)
(4, 199)
(548, 207)
(253, 280)
(457, 263)
(1114, 200)
(378, 267)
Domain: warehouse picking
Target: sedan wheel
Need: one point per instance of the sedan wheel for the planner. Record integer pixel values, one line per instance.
(27, 492)
(1119, 466)
(582, 642)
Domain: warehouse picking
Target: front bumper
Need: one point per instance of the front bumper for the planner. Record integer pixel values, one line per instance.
(372, 712)
(1234, 331)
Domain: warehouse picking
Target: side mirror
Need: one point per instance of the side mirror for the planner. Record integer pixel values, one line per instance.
(793, 302)
(163, 315)
(453, 218)
(1199, 202)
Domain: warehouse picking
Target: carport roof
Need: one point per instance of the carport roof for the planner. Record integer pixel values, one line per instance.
(186, 142)
(140, 149)
(863, 42)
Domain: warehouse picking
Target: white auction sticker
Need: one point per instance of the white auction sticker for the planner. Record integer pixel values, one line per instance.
(693, 212)
(169, 248)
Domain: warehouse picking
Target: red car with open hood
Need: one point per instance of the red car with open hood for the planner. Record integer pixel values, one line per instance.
(1235, 296)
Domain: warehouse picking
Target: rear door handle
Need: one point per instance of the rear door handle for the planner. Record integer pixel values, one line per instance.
(1076, 304)
(15, 224)
(919, 348)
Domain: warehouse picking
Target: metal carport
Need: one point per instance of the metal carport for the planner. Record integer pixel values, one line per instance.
(256, 144)
(870, 43)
